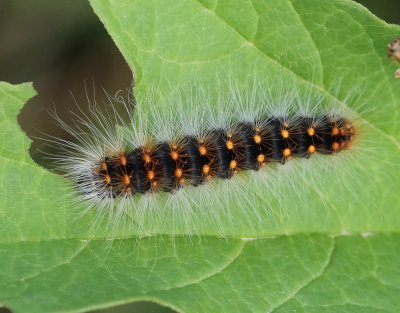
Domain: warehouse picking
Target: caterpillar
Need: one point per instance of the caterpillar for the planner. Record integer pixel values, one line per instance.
(218, 153)
(166, 167)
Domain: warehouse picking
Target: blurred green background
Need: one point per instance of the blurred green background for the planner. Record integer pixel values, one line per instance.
(63, 48)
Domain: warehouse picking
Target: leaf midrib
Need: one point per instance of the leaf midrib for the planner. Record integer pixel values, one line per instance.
(206, 236)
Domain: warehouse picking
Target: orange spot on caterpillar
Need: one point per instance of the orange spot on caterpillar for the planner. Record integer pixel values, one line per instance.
(285, 133)
(122, 159)
(178, 173)
(206, 169)
(150, 175)
(260, 158)
(174, 155)
(311, 131)
(202, 150)
(335, 131)
(126, 180)
(103, 166)
(233, 164)
(311, 149)
(257, 139)
(107, 178)
(147, 158)
(229, 144)
(286, 152)
(335, 146)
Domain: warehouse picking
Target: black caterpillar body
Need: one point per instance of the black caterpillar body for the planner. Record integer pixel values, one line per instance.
(222, 153)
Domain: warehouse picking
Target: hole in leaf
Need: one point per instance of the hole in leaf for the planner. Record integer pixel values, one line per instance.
(58, 59)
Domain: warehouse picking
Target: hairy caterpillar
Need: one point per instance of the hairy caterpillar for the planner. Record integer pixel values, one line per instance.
(171, 166)
(217, 153)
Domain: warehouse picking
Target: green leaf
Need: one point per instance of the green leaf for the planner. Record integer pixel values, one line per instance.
(50, 262)
(311, 44)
